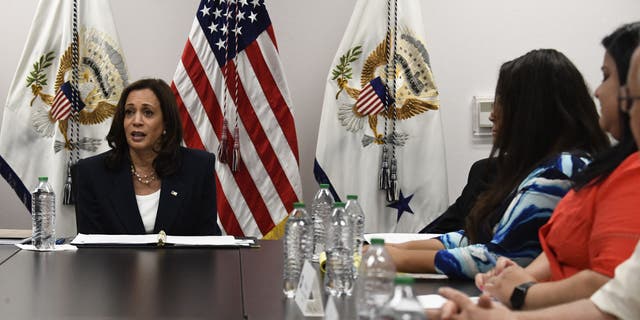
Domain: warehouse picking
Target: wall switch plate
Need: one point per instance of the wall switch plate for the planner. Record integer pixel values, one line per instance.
(482, 108)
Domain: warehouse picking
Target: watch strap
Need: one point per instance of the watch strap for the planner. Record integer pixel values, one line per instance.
(519, 294)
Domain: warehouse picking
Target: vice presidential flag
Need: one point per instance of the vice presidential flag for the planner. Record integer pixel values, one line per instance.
(230, 71)
(36, 136)
(352, 127)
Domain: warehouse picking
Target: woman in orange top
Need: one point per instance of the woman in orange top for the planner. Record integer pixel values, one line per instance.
(596, 226)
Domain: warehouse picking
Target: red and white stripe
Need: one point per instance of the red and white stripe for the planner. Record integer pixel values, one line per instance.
(368, 102)
(258, 196)
(61, 107)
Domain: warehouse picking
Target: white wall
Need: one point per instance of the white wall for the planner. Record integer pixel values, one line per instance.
(467, 40)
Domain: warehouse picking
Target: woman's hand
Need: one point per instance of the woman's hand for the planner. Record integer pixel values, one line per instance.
(460, 306)
(501, 285)
(501, 264)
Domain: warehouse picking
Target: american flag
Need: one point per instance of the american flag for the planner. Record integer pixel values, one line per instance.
(61, 107)
(254, 200)
(372, 98)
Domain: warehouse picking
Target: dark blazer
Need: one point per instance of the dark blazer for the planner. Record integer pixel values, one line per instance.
(106, 202)
(481, 174)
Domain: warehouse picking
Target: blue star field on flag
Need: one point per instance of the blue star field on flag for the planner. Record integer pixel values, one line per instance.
(218, 21)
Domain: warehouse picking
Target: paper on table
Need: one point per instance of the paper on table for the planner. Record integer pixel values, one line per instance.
(400, 237)
(15, 233)
(435, 276)
(133, 239)
(14, 236)
(82, 238)
(11, 241)
(58, 247)
(203, 240)
(435, 301)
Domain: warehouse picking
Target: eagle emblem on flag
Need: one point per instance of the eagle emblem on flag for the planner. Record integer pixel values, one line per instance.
(416, 91)
(102, 76)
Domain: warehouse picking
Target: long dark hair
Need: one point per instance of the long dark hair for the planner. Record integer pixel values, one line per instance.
(167, 161)
(620, 46)
(544, 108)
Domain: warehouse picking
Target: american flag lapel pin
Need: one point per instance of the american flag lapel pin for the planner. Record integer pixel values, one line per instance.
(173, 193)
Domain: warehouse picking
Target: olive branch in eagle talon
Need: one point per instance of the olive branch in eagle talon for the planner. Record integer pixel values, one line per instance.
(343, 72)
(37, 78)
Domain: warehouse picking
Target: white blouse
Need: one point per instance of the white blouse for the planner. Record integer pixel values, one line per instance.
(621, 295)
(148, 207)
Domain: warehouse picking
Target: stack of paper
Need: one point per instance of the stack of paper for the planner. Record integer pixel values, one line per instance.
(152, 239)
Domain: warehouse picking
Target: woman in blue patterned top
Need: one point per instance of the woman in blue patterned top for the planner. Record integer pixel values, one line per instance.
(545, 127)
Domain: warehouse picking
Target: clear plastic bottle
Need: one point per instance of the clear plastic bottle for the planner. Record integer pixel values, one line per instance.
(320, 212)
(339, 246)
(375, 282)
(298, 246)
(354, 210)
(403, 305)
(43, 215)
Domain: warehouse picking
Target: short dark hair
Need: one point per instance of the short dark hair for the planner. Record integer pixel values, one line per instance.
(620, 46)
(545, 108)
(168, 161)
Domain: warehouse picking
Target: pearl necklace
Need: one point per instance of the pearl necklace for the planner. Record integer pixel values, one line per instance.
(143, 179)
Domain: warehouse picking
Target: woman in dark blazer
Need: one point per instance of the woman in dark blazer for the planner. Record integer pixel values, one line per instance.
(481, 174)
(146, 182)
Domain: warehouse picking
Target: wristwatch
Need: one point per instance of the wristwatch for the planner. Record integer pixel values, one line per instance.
(518, 295)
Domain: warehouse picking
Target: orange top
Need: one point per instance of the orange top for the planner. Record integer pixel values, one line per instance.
(597, 227)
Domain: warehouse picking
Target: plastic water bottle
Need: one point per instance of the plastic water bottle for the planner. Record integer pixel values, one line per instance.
(354, 210)
(298, 243)
(320, 212)
(43, 215)
(375, 282)
(403, 305)
(339, 246)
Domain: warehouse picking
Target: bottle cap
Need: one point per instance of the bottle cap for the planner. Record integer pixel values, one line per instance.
(339, 205)
(352, 197)
(404, 280)
(377, 241)
(298, 205)
(43, 179)
(324, 186)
